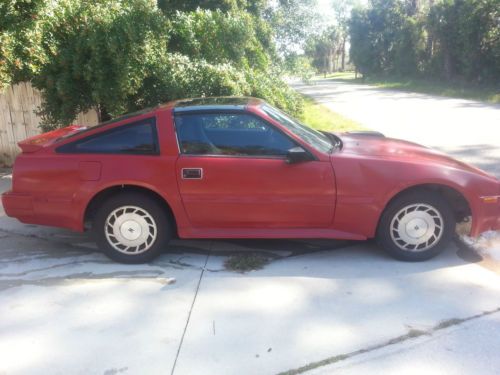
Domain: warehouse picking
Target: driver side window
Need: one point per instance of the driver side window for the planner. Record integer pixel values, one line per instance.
(232, 134)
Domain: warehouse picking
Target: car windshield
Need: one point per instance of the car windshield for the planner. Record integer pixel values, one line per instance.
(312, 137)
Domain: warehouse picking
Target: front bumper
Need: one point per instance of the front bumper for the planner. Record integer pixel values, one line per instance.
(18, 205)
(488, 218)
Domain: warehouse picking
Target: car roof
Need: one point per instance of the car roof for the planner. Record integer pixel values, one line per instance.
(233, 103)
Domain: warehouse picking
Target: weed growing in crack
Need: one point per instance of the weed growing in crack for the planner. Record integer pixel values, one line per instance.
(245, 262)
(448, 323)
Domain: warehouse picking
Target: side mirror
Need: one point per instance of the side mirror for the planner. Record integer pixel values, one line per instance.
(298, 155)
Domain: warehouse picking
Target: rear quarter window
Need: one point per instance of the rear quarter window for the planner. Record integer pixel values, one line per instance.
(137, 138)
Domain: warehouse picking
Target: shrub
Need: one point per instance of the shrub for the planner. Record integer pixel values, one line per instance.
(117, 56)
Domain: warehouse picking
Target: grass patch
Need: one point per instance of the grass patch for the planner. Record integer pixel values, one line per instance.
(245, 262)
(319, 117)
(448, 89)
(448, 323)
(454, 90)
(340, 76)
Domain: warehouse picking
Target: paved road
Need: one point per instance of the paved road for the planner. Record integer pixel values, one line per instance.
(466, 129)
(67, 309)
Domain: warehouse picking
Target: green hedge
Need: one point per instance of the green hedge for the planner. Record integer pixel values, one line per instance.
(117, 56)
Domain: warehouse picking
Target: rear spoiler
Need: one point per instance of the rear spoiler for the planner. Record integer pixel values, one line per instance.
(37, 142)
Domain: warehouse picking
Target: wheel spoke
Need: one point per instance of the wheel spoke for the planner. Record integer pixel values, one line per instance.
(416, 227)
(130, 230)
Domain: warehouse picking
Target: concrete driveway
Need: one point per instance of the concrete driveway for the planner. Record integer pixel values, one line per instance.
(466, 129)
(318, 306)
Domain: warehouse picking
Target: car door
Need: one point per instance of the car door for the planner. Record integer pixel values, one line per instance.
(232, 173)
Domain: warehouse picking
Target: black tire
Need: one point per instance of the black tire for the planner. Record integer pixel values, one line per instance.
(392, 244)
(148, 206)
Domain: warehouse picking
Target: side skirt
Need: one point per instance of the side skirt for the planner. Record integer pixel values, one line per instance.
(268, 233)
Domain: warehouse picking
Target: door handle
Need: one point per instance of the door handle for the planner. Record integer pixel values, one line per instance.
(192, 173)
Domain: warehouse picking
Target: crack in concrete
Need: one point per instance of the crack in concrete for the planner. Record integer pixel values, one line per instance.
(82, 262)
(50, 240)
(412, 333)
(190, 311)
(86, 277)
(53, 267)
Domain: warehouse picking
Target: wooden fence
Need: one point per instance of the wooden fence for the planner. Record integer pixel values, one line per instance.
(18, 119)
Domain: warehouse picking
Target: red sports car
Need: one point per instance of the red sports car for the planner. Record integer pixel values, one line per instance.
(239, 168)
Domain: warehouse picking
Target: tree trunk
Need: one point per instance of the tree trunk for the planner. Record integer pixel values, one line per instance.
(429, 48)
(447, 65)
(342, 68)
(102, 113)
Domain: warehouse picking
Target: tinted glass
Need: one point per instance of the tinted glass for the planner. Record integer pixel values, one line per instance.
(314, 138)
(230, 134)
(136, 138)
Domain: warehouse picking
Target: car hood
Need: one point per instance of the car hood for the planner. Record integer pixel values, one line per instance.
(376, 145)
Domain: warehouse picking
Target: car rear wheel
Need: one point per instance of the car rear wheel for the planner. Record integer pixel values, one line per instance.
(416, 226)
(131, 228)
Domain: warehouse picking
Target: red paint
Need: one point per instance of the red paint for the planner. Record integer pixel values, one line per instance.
(341, 195)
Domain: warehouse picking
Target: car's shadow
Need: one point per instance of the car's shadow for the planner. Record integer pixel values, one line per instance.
(57, 248)
(36, 251)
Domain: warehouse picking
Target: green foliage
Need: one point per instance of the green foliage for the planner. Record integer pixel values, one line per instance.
(384, 39)
(219, 38)
(362, 51)
(324, 49)
(254, 7)
(177, 76)
(292, 21)
(448, 40)
(117, 56)
(299, 66)
(246, 262)
(96, 58)
(466, 40)
(319, 117)
(270, 86)
(20, 34)
(327, 48)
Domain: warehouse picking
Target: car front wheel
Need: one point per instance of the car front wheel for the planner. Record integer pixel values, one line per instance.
(131, 228)
(416, 226)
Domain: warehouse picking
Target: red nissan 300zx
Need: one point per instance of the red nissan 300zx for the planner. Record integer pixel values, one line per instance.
(239, 168)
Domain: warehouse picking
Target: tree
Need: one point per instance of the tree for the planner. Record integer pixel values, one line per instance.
(20, 51)
(362, 51)
(95, 56)
(218, 37)
(385, 40)
(116, 56)
(450, 40)
(324, 49)
(292, 21)
(299, 65)
(254, 7)
(466, 40)
(342, 10)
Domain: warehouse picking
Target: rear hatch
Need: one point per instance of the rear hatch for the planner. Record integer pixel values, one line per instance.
(37, 142)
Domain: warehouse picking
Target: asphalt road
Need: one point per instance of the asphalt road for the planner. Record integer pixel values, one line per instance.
(466, 129)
